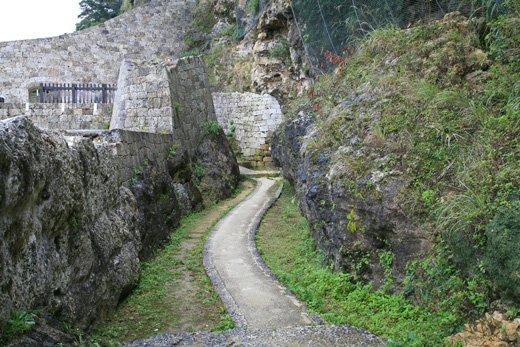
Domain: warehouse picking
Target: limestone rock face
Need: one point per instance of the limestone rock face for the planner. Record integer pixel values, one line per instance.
(68, 235)
(159, 210)
(221, 172)
(354, 231)
(494, 330)
(223, 7)
(278, 62)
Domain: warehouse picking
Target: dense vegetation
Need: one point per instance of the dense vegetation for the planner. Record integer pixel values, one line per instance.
(286, 245)
(439, 103)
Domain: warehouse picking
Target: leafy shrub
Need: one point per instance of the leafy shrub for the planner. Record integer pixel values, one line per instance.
(252, 6)
(282, 52)
(20, 322)
(502, 257)
(229, 30)
(204, 16)
(211, 128)
(461, 219)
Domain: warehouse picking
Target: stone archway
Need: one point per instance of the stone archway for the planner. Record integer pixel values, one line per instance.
(34, 95)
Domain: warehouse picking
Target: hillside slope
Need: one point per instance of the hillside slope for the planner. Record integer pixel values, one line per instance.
(411, 148)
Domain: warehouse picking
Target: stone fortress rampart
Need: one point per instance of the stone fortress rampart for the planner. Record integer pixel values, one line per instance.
(61, 116)
(164, 97)
(94, 55)
(254, 117)
(136, 51)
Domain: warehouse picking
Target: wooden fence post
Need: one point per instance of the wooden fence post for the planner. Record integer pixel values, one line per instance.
(74, 90)
(103, 93)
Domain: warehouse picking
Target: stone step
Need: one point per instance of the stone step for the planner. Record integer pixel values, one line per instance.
(320, 335)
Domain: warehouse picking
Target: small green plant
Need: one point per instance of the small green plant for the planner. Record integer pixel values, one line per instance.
(74, 222)
(178, 108)
(351, 224)
(252, 6)
(199, 170)
(211, 128)
(18, 323)
(171, 152)
(229, 30)
(226, 323)
(513, 312)
(282, 51)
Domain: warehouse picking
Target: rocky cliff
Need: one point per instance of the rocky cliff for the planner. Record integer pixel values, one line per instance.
(355, 229)
(68, 234)
(269, 60)
(400, 145)
(71, 238)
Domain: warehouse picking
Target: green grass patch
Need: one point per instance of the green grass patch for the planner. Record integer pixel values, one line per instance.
(150, 310)
(288, 249)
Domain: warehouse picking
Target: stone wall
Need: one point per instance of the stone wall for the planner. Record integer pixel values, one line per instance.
(165, 97)
(191, 100)
(143, 101)
(255, 118)
(131, 150)
(61, 116)
(94, 55)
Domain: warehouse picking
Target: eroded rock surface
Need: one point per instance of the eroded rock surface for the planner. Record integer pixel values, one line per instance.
(221, 172)
(354, 231)
(68, 233)
(72, 238)
(492, 330)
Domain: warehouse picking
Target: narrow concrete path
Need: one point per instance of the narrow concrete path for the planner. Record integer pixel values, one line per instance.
(252, 296)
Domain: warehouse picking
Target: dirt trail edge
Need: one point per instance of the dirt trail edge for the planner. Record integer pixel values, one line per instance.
(263, 310)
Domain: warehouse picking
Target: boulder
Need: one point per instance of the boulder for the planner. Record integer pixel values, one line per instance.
(69, 239)
(219, 173)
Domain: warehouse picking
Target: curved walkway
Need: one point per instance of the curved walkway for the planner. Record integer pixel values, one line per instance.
(263, 311)
(253, 298)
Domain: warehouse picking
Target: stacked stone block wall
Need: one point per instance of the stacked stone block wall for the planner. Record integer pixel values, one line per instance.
(131, 149)
(94, 55)
(165, 97)
(191, 100)
(60, 116)
(143, 101)
(255, 118)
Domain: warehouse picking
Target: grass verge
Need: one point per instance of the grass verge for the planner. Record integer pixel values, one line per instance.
(285, 244)
(174, 293)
